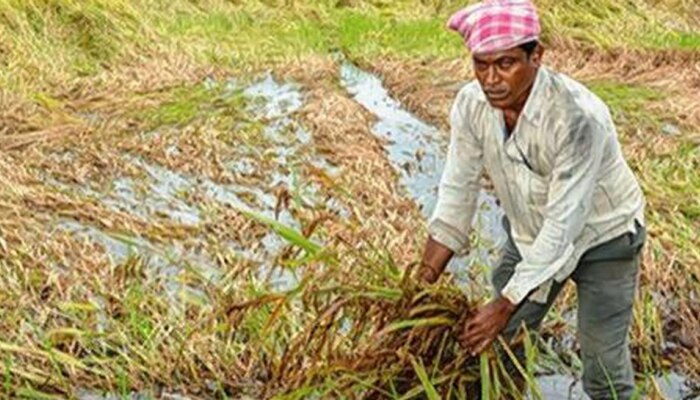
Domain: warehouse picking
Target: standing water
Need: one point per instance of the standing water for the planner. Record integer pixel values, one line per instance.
(163, 193)
(417, 150)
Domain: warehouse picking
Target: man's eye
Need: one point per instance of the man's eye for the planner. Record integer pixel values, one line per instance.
(481, 66)
(504, 64)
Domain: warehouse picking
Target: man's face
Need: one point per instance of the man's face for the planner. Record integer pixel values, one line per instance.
(505, 76)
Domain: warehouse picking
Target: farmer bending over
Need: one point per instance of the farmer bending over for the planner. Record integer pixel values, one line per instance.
(573, 208)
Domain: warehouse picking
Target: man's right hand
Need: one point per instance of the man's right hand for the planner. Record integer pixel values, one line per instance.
(435, 259)
(428, 274)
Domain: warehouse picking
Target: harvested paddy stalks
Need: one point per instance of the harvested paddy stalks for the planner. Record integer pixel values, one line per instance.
(370, 330)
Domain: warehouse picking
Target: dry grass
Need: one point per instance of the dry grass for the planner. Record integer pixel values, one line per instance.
(79, 319)
(676, 75)
(340, 127)
(90, 87)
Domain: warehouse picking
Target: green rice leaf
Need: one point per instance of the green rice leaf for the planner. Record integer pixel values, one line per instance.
(424, 379)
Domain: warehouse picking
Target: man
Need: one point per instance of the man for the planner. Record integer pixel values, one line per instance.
(573, 208)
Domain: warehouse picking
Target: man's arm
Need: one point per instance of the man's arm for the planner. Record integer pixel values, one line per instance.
(435, 259)
(457, 195)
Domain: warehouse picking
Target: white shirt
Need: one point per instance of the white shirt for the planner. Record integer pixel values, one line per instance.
(560, 176)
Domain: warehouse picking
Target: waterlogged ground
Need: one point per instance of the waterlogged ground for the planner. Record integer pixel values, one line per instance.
(149, 191)
(205, 200)
(158, 192)
(414, 148)
(417, 150)
(168, 189)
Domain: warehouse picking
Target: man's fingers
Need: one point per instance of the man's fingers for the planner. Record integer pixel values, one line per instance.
(474, 322)
(473, 338)
(475, 332)
(476, 326)
(477, 339)
(481, 346)
(480, 330)
(468, 334)
(477, 344)
(463, 339)
(426, 275)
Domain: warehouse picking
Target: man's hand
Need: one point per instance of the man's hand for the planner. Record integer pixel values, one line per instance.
(485, 326)
(428, 274)
(435, 259)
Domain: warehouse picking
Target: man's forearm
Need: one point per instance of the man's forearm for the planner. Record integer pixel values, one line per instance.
(435, 259)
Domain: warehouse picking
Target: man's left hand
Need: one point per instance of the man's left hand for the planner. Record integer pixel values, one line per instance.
(488, 322)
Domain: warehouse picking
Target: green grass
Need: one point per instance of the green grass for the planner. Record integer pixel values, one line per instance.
(610, 24)
(677, 176)
(689, 41)
(179, 106)
(624, 97)
(63, 39)
(369, 35)
(628, 103)
(670, 181)
(240, 37)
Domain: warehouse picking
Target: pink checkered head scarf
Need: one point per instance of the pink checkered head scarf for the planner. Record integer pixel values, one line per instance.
(495, 25)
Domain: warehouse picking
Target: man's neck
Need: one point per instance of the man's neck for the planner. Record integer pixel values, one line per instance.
(511, 114)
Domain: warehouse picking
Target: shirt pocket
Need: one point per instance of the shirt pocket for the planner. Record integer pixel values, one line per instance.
(533, 187)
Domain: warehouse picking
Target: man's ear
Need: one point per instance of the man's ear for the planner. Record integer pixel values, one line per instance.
(537, 54)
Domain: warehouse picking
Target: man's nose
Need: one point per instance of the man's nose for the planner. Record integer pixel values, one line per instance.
(492, 77)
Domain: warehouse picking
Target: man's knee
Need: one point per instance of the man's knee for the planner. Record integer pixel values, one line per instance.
(500, 276)
(510, 257)
(606, 297)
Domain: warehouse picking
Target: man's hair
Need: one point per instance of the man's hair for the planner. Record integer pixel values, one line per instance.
(529, 47)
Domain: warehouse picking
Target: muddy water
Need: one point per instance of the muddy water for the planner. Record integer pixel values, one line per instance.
(417, 151)
(163, 193)
(560, 387)
(674, 386)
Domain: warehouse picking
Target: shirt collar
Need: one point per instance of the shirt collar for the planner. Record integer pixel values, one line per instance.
(535, 101)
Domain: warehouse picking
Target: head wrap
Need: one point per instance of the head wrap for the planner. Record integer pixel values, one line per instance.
(495, 25)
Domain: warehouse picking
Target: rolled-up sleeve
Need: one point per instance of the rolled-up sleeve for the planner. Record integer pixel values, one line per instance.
(459, 186)
(580, 147)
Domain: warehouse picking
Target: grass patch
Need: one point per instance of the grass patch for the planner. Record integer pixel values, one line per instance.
(610, 24)
(362, 34)
(180, 106)
(628, 103)
(671, 180)
(62, 39)
(216, 26)
(689, 41)
(677, 178)
(246, 36)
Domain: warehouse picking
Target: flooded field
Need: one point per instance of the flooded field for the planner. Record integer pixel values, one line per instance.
(414, 148)
(159, 192)
(417, 151)
(148, 191)
(233, 209)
